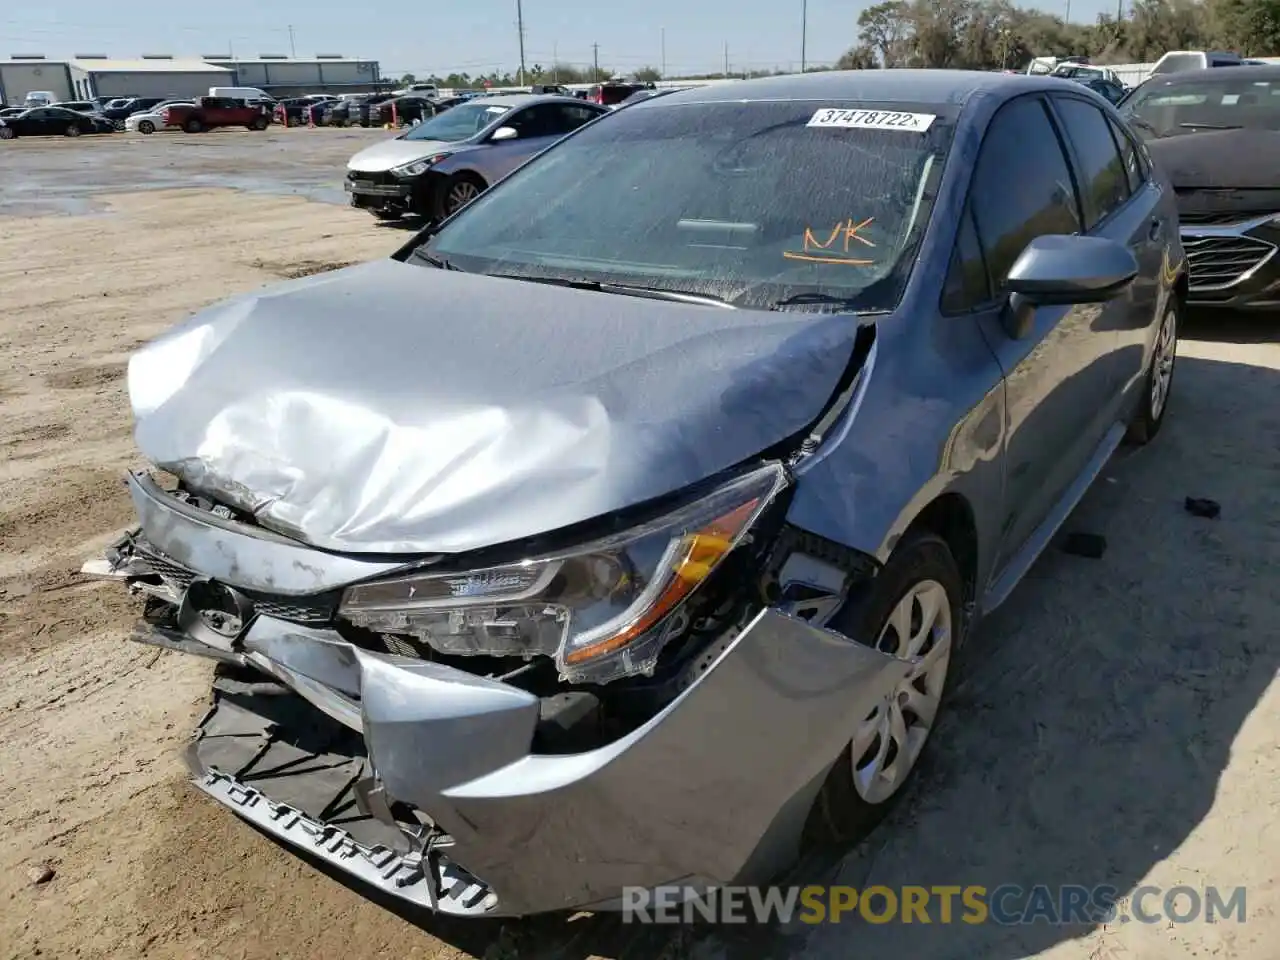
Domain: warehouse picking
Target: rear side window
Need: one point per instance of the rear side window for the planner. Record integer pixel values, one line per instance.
(1022, 187)
(1104, 186)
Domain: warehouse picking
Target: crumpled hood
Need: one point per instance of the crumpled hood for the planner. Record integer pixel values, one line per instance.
(1219, 159)
(393, 408)
(397, 152)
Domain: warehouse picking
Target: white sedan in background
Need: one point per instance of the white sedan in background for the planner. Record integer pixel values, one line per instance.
(153, 119)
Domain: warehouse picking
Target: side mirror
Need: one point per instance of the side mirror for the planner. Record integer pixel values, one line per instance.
(1061, 270)
(504, 133)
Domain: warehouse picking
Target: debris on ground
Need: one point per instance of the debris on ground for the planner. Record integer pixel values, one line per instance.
(1089, 545)
(1203, 507)
(40, 873)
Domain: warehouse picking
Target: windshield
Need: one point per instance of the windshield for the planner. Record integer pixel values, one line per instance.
(751, 203)
(458, 123)
(1167, 110)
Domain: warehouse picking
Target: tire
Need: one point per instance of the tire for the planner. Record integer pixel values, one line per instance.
(146, 127)
(72, 130)
(387, 215)
(457, 192)
(8, 133)
(1158, 383)
(848, 807)
(193, 126)
(259, 124)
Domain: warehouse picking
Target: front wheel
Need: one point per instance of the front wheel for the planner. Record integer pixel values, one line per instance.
(146, 126)
(72, 130)
(458, 191)
(7, 133)
(193, 126)
(1159, 380)
(913, 610)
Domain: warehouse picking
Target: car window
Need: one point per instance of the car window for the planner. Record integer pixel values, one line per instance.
(967, 284)
(751, 202)
(1022, 186)
(571, 117)
(1104, 187)
(542, 120)
(463, 121)
(1229, 100)
(1135, 170)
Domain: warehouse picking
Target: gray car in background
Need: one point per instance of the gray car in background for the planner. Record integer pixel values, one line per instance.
(435, 168)
(621, 529)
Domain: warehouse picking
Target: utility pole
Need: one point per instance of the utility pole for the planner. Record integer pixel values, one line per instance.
(726, 60)
(1068, 17)
(555, 62)
(595, 59)
(804, 30)
(293, 51)
(664, 51)
(520, 29)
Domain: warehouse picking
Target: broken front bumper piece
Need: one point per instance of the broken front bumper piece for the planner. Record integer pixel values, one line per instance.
(421, 780)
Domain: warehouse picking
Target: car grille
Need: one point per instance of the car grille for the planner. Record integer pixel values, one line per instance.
(1216, 219)
(361, 176)
(315, 610)
(1218, 262)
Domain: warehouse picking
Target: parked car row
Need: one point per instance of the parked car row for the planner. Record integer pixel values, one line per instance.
(192, 116)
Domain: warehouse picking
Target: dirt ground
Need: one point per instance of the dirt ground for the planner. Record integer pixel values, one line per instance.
(1118, 721)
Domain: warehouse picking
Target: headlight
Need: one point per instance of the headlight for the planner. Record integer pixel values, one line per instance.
(602, 610)
(418, 167)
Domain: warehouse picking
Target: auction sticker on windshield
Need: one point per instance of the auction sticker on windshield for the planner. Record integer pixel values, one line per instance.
(872, 120)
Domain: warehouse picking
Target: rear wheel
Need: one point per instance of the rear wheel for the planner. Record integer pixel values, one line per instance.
(912, 610)
(193, 126)
(7, 133)
(1159, 382)
(146, 126)
(72, 130)
(259, 124)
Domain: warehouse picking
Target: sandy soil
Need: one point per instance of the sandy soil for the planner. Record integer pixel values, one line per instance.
(1118, 722)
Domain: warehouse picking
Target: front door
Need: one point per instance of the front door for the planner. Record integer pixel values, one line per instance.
(1059, 383)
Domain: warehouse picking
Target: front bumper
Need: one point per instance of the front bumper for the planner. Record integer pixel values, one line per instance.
(455, 808)
(365, 193)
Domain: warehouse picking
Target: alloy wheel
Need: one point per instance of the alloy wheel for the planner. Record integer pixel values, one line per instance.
(1166, 352)
(460, 194)
(889, 741)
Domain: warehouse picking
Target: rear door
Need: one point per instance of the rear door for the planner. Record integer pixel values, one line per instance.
(1124, 208)
(1057, 379)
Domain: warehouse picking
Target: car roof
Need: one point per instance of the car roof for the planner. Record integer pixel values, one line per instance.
(1265, 71)
(886, 86)
(520, 99)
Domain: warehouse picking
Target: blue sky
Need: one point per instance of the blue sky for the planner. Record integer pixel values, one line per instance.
(475, 36)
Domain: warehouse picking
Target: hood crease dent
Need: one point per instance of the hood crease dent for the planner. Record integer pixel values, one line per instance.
(390, 408)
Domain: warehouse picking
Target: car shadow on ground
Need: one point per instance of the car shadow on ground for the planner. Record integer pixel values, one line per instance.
(1092, 719)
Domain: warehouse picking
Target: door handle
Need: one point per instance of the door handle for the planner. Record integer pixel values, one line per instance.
(1156, 229)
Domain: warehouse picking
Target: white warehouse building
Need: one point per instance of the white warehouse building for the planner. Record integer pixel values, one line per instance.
(160, 75)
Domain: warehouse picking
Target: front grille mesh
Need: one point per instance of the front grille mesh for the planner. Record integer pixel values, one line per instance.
(317, 610)
(1221, 261)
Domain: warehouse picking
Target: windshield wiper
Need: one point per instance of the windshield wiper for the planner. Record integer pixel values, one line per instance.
(621, 289)
(825, 299)
(440, 262)
(1209, 126)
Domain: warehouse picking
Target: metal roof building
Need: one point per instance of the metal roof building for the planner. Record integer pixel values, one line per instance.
(160, 75)
(283, 76)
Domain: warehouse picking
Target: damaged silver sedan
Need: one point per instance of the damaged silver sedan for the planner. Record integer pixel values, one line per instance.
(620, 530)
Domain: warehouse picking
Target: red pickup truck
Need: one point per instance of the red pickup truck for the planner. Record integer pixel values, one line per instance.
(208, 113)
